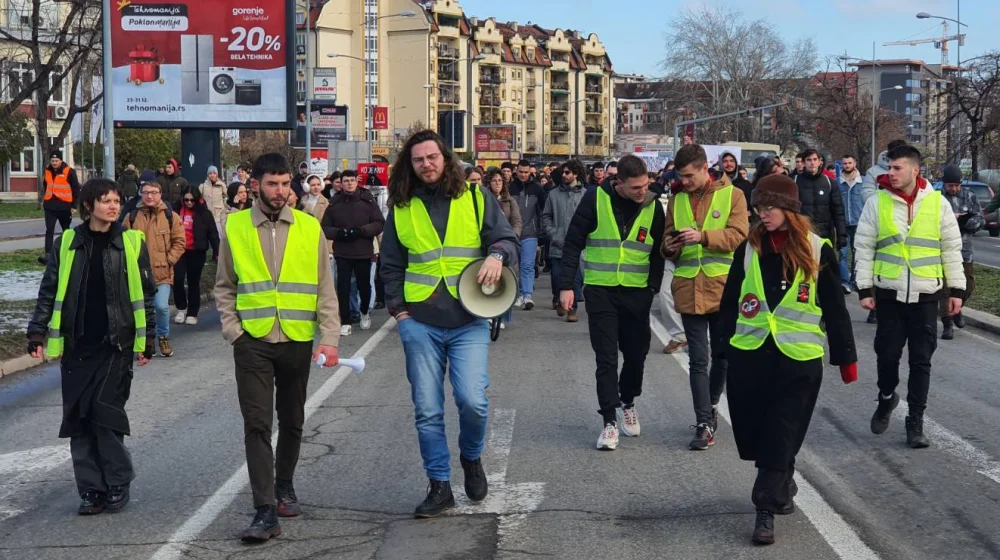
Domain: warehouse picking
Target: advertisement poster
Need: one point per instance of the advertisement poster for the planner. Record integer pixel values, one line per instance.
(373, 174)
(380, 118)
(494, 138)
(329, 122)
(204, 64)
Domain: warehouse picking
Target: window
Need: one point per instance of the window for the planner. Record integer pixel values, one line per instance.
(17, 76)
(25, 164)
(913, 84)
(914, 97)
(57, 92)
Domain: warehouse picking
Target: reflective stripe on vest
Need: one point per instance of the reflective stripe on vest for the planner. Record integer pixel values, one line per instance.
(292, 300)
(794, 324)
(58, 185)
(132, 240)
(696, 258)
(429, 260)
(613, 261)
(919, 250)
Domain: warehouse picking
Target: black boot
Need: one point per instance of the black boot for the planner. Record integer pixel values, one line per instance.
(439, 498)
(264, 527)
(763, 530)
(475, 479)
(288, 504)
(91, 503)
(118, 497)
(959, 321)
(915, 437)
(871, 318)
(789, 508)
(880, 420)
(947, 333)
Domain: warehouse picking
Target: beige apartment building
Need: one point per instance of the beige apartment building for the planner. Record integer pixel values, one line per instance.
(430, 63)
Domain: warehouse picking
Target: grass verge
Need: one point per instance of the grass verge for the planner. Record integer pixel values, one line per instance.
(985, 297)
(22, 260)
(20, 210)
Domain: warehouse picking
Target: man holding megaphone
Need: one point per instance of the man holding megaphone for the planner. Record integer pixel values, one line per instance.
(437, 226)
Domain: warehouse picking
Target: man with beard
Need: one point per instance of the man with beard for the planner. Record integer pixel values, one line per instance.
(821, 201)
(731, 167)
(272, 308)
(854, 195)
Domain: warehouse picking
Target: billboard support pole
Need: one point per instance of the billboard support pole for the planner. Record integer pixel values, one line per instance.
(109, 121)
(200, 148)
(309, 84)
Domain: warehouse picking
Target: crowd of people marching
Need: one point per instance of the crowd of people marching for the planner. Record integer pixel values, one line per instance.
(750, 274)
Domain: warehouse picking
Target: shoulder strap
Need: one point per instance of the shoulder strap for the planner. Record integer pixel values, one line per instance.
(475, 192)
(135, 212)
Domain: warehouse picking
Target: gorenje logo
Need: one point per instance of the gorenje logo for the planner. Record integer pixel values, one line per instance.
(248, 11)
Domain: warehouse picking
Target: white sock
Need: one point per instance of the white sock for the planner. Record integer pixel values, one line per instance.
(886, 397)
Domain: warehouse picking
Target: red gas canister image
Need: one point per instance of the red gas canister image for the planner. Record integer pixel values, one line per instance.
(144, 65)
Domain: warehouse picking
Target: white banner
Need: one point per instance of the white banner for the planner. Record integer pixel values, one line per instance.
(97, 113)
(715, 152)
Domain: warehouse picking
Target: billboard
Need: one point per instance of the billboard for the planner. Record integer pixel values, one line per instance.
(205, 64)
(373, 174)
(498, 138)
(325, 83)
(329, 122)
(380, 118)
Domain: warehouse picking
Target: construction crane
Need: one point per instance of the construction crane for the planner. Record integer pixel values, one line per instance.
(939, 42)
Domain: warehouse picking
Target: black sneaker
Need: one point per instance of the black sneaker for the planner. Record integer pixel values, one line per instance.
(288, 504)
(703, 437)
(715, 419)
(872, 319)
(948, 333)
(476, 487)
(91, 503)
(118, 497)
(880, 420)
(959, 321)
(439, 498)
(763, 530)
(264, 526)
(915, 437)
(42, 260)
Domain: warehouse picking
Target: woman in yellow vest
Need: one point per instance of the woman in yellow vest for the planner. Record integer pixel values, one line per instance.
(97, 338)
(784, 285)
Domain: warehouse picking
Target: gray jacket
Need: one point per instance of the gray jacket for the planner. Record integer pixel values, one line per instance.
(970, 220)
(869, 184)
(559, 210)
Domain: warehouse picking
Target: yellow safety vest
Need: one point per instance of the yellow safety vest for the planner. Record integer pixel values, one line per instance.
(132, 240)
(794, 324)
(696, 258)
(613, 261)
(919, 250)
(293, 300)
(429, 260)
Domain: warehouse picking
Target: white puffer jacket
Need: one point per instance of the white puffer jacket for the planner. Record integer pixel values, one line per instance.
(908, 287)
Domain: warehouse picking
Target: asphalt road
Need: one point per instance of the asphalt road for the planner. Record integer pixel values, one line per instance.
(552, 494)
(986, 249)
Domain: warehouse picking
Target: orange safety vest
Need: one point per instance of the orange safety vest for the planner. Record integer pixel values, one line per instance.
(58, 186)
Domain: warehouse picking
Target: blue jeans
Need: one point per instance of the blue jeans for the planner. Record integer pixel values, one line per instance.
(847, 264)
(557, 271)
(465, 350)
(161, 301)
(529, 247)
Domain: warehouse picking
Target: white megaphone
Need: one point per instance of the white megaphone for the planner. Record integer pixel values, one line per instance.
(356, 364)
(487, 301)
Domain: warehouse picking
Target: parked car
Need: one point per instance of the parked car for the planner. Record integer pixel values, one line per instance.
(984, 193)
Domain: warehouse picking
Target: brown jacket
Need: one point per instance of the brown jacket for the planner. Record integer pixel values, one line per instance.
(226, 281)
(511, 211)
(164, 241)
(701, 295)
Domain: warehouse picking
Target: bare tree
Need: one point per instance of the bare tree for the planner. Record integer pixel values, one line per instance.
(729, 64)
(971, 103)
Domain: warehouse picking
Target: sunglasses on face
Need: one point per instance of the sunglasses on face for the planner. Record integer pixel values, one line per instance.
(188, 199)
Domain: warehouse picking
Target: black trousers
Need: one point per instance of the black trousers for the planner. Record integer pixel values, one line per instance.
(618, 320)
(379, 285)
(188, 269)
(64, 217)
(100, 459)
(913, 325)
(262, 367)
(362, 270)
(707, 384)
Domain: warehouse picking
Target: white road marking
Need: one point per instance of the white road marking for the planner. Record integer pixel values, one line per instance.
(178, 542)
(844, 541)
(951, 442)
(17, 469)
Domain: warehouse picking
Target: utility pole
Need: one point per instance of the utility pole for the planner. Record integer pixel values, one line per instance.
(109, 121)
(309, 82)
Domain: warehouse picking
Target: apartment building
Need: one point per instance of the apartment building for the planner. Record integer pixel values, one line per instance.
(429, 62)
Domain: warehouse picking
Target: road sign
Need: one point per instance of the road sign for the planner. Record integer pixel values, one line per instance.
(325, 83)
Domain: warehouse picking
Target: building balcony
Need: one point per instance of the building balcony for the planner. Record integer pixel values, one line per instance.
(560, 127)
(446, 98)
(594, 109)
(594, 88)
(594, 130)
(448, 76)
(489, 101)
(447, 53)
(531, 104)
(561, 87)
(491, 79)
(560, 107)
(530, 126)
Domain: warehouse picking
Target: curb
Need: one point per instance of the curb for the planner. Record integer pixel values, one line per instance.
(982, 320)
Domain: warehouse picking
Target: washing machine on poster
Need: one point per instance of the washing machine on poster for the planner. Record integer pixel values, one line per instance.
(223, 85)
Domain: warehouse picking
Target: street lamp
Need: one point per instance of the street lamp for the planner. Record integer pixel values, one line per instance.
(875, 92)
(958, 53)
(369, 110)
(359, 59)
(453, 63)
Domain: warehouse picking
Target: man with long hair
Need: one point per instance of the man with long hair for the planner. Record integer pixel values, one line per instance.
(438, 223)
(706, 221)
(95, 305)
(909, 248)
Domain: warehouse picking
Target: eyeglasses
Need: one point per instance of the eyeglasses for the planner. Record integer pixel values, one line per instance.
(150, 193)
(762, 209)
(188, 199)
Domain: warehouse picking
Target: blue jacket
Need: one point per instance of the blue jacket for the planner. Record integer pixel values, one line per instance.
(854, 196)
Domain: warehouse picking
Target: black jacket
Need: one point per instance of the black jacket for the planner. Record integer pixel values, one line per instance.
(128, 182)
(530, 199)
(625, 210)
(742, 184)
(352, 222)
(822, 203)
(829, 296)
(206, 233)
(441, 310)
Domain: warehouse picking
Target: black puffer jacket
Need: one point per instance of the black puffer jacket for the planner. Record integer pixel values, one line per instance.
(121, 323)
(822, 203)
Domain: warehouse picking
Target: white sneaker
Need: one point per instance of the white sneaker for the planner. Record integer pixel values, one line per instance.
(191, 321)
(528, 304)
(503, 325)
(366, 321)
(519, 301)
(608, 440)
(345, 330)
(628, 419)
(180, 317)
